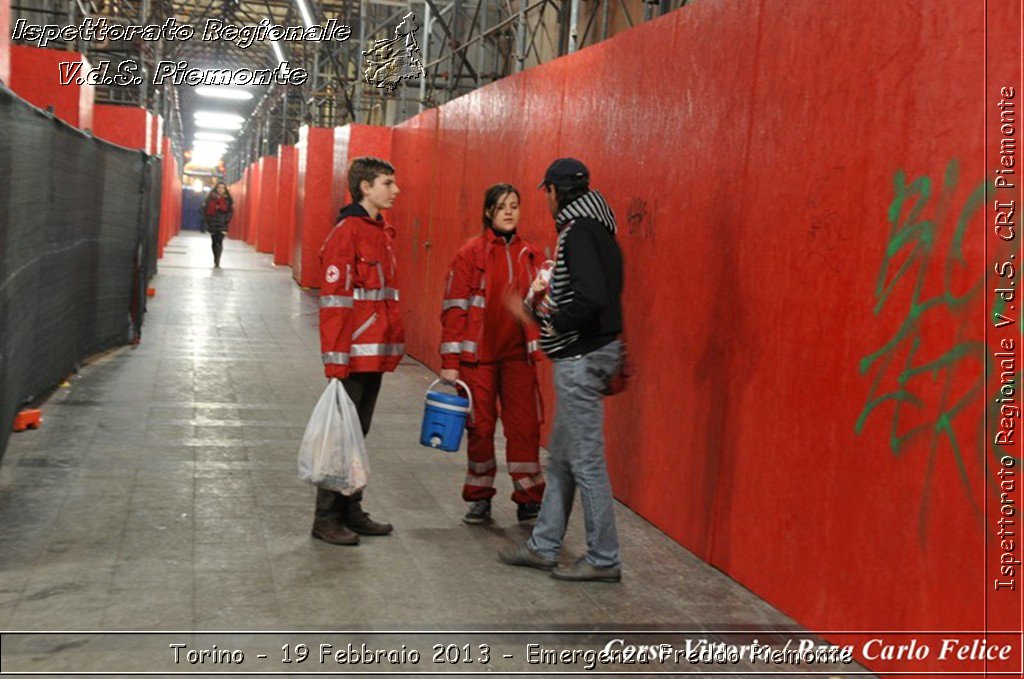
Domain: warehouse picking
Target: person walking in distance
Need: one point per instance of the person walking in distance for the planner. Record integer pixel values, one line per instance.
(581, 320)
(493, 353)
(217, 211)
(361, 333)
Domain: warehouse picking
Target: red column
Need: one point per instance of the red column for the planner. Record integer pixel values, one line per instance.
(34, 76)
(286, 185)
(265, 236)
(252, 204)
(128, 126)
(155, 138)
(315, 209)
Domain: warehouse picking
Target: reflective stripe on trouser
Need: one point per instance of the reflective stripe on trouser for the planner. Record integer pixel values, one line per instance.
(514, 384)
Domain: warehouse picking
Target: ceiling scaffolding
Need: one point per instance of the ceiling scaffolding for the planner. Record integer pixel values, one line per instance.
(463, 45)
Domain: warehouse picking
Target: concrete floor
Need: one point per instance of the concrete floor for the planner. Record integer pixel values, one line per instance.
(161, 494)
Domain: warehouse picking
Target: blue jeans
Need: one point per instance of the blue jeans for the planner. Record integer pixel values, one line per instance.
(577, 459)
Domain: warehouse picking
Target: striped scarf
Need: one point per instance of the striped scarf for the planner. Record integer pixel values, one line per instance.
(594, 206)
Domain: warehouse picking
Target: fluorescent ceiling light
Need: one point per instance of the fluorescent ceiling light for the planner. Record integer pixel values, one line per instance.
(222, 92)
(212, 124)
(215, 115)
(213, 136)
(306, 17)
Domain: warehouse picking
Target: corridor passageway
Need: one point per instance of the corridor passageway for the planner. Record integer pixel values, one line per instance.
(161, 493)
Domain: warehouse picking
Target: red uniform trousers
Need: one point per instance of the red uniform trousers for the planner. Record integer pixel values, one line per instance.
(513, 382)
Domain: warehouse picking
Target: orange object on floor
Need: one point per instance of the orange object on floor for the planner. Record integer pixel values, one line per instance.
(150, 292)
(28, 419)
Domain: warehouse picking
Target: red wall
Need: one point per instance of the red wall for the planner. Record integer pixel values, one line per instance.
(170, 199)
(266, 236)
(128, 126)
(314, 207)
(286, 187)
(5, 41)
(350, 142)
(322, 159)
(34, 77)
(804, 416)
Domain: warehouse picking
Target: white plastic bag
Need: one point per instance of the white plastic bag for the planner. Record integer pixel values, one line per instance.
(333, 451)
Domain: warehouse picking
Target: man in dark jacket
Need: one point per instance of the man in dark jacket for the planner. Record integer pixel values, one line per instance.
(581, 322)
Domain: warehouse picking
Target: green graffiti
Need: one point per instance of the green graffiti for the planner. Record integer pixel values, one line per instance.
(917, 412)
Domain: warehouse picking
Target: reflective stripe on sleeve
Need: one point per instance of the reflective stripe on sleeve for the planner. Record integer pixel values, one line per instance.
(363, 294)
(334, 358)
(478, 300)
(455, 303)
(377, 349)
(334, 301)
(532, 346)
(457, 347)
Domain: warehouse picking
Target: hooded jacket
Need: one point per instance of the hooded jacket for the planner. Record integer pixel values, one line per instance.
(473, 280)
(360, 322)
(586, 285)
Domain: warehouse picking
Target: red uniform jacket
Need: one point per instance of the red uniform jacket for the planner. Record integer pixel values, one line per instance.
(360, 323)
(482, 269)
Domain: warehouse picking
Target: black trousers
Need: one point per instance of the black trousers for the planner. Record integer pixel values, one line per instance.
(218, 245)
(363, 389)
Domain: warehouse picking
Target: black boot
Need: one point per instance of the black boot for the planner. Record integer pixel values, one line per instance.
(328, 524)
(359, 521)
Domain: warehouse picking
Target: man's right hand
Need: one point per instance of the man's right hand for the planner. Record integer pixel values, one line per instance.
(449, 376)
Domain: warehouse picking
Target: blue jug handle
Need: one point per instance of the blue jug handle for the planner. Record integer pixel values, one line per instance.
(469, 393)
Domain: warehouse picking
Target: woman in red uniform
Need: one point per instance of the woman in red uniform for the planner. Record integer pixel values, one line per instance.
(486, 347)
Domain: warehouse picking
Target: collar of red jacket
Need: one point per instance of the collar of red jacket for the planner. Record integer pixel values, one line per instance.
(491, 236)
(357, 211)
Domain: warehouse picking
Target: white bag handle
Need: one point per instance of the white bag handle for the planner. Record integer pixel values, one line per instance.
(469, 393)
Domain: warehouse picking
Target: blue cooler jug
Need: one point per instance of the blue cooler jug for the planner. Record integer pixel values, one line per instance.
(444, 418)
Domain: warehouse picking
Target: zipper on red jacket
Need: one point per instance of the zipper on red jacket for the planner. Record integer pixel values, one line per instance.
(508, 256)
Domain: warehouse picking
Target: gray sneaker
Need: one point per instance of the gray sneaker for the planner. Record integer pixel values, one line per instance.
(581, 571)
(521, 555)
(479, 512)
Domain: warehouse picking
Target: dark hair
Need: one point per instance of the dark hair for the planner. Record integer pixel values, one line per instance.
(491, 197)
(366, 168)
(213, 192)
(570, 192)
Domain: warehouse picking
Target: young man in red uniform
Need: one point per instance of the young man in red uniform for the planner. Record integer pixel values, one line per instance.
(493, 353)
(361, 334)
